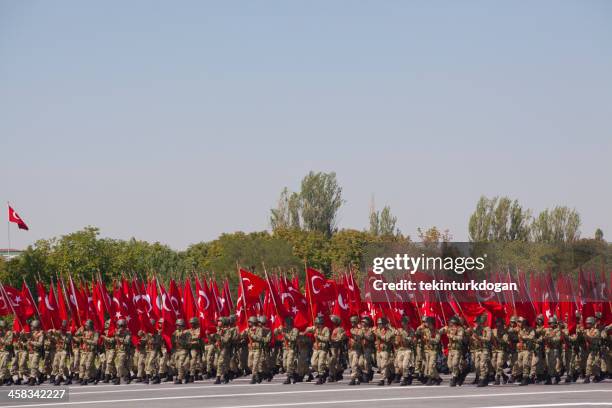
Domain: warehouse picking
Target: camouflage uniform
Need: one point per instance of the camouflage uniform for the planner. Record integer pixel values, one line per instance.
(499, 354)
(224, 345)
(36, 342)
(195, 349)
(289, 336)
(553, 339)
(153, 343)
(88, 345)
(320, 349)
(337, 341)
(123, 344)
(63, 347)
(593, 341)
(384, 347)
(455, 335)
(6, 353)
(369, 348)
(525, 349)
(181, 340)
(355, 350)
(431, 347)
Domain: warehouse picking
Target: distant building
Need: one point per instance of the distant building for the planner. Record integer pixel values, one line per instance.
(11, 253)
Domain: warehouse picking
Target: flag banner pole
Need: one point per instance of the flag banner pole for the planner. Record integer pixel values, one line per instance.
(8, 234)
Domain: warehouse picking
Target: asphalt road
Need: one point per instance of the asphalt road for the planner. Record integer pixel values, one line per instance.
(240, 394)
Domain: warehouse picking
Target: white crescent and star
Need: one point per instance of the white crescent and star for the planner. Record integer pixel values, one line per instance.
(312, 282)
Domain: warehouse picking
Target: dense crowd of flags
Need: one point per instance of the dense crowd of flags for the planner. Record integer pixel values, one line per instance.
(279, 296)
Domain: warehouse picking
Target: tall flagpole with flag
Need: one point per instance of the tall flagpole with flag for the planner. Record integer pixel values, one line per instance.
(8, 234)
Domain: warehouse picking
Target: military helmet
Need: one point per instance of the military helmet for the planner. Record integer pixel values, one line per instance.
(89, 324)
(35, 324)
(120, 323)
(552, 320)
(289, 319)
(335, 319)
(262, 319)
(405, 319)
(2, 324)
(319, 320)
(454, 320)
(253, 319)
(232, 319)
(180, 322)
(424, 319)
(354, 319)
(521, 319)
(482, 318)
(430, 319)
(107, 324)
(381, 320)
(513, 319)
(540, 318)
(152, 321)
(499, 320)
(590, 320)
(194, 321)
(598, 315)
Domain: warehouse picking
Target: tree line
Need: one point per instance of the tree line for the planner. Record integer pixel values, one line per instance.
(303, 229)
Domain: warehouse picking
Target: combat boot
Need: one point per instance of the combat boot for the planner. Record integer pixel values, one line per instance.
(218, 380)
(106, 379)
(381, 382)
(288, 380)
(482, 383)
(117, 381)
(476, 380)
(398, 378)
(253, 380)
(548, 380)
(145, 380)
(177, 381)
(453, 382)
(310, 378)
(587, 380)
(524, 381)
(319, 380)
(497, 380)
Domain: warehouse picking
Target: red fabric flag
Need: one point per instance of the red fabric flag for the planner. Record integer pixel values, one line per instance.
(206, 308)
(28, 308)
(253, 285)
(227, 295)
(296, 305)
(62, 308)
(189, 306)
(14, 217)
(174, 297)
(46, 320)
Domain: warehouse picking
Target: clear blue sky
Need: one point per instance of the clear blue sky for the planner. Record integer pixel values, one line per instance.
(176, 121)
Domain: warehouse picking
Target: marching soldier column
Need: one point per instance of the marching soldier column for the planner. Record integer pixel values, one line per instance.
(509, 354)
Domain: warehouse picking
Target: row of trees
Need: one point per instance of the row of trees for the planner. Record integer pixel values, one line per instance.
(304, 229)
(499, 219)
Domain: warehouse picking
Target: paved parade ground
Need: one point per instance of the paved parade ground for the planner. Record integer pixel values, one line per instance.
(240, 394)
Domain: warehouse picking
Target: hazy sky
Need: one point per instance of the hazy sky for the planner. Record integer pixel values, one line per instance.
(176, 121)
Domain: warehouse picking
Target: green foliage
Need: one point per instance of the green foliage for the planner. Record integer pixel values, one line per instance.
(499, 219)
(383, 222)
(560, 224)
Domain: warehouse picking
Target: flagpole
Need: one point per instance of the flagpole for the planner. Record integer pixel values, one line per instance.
(8, 234)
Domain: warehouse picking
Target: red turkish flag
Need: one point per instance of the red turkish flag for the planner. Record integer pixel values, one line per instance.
(253, 285)
(14, 217)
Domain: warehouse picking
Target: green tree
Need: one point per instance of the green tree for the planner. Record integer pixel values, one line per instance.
(499, 219)
(321, 197)
(599, 235)
(561, 224)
